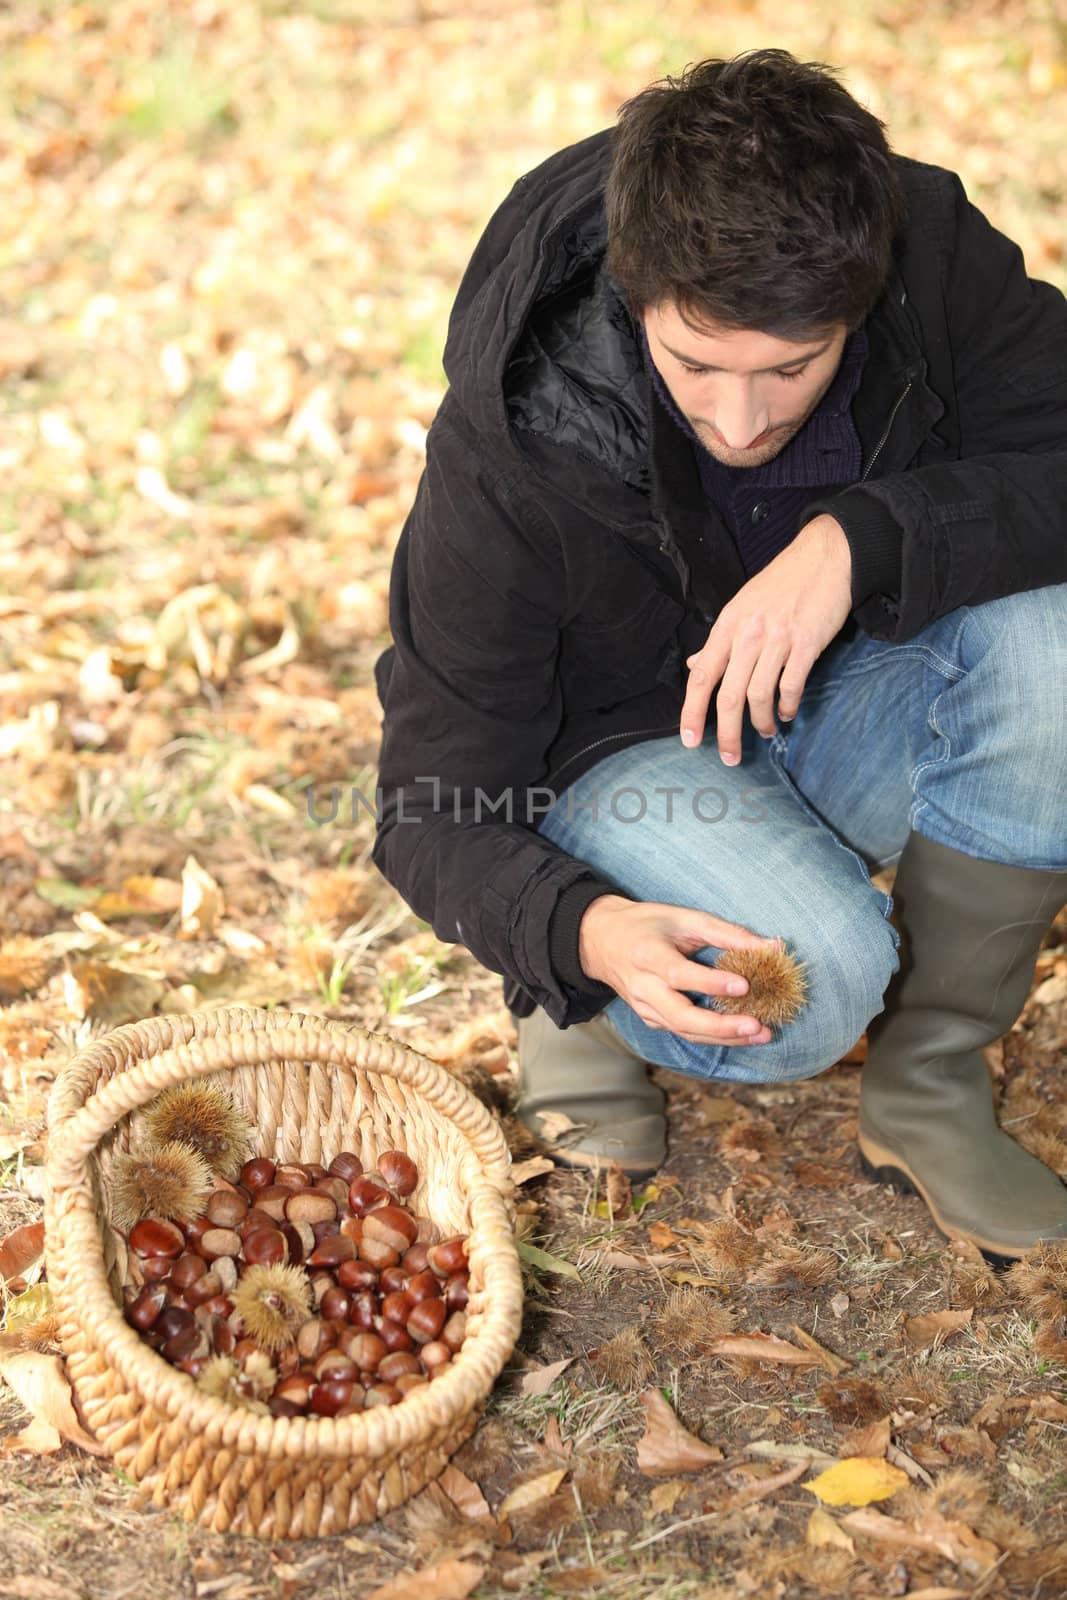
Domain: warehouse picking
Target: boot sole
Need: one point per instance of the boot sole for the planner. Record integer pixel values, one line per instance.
(883, 1167)
(590, 1163)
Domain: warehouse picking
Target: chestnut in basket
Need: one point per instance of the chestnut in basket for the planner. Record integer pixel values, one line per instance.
(301, 1289)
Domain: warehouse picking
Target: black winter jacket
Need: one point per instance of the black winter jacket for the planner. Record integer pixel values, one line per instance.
(560, 560)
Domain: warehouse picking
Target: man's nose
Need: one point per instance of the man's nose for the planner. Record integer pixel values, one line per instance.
(740, 421)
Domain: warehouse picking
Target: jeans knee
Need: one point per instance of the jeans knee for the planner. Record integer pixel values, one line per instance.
(847, 973)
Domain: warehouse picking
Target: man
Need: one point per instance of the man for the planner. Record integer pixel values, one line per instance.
(744, 407)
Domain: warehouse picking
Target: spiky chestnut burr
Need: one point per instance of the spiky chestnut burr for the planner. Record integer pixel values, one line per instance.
(777, 988)
(225, 1380)
(204, 1117)
(169, 1180)
(273, 1303)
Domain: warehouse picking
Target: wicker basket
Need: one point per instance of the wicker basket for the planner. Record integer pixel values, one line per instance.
(311, 1089)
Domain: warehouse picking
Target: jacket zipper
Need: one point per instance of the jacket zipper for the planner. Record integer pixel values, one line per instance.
(648, 733)
(624, 733)
(901, 397)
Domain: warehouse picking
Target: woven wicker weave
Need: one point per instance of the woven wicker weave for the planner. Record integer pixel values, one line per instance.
(311, 1089)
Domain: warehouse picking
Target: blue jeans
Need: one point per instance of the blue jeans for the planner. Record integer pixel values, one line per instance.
(959, 733)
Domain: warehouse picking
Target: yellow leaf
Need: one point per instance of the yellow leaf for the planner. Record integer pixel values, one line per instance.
(661, 1237)
(823, 1531)
(857, 1481)
(664, 1496)
(532, 1492)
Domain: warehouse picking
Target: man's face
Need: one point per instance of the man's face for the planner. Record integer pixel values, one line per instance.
(744, 394)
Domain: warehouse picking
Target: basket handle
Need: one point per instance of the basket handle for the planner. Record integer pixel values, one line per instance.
(238, 1036)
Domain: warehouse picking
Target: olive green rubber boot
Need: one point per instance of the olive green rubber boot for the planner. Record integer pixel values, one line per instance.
(589, 1075)
(971, 931)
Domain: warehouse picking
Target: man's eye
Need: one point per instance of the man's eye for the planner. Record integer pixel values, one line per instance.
(696, 371)
(789, 376)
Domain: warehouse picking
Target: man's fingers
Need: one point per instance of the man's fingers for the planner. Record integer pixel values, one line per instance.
(705, 670)
(764, 683)
(730, 700)
(794, 678)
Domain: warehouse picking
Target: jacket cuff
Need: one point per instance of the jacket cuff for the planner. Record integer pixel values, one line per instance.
(563, 929)
(875, 539)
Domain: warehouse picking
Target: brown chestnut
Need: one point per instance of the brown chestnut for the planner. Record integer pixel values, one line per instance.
(296, 1389)
(310, 1206)
(257, 1173)
(455, 1330)
(364, 1308)
(291, 1175)
(448, 1257)
(357, 1275)
(265, 1247)
(345, 1166)
(336, 1188)
(391, 1366)
(144, 1311)
(335, 1364)
(376, 1253)
(382, 1394)
(411, 1380)
(203, 1289)
(435, 1353)
(280, 1407)
(398, 1306)
(392, 1335)
(424, 1286)
(335, 1304)
(427, 1320)
(154, 1268)
(399, 1171)
(457, 1291)
(330, 1396)
(152, 1236)
(226, 1208)
(332, 1251)
(363, 1348)
(392, 1225)
(352, 1227)
(171, 1321)
(220, 1242)
(414, 1259)
(186, 1269)
(315, 1171)
(314, 1337)
(364, 1194)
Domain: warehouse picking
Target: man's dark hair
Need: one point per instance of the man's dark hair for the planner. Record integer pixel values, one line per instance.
(754, 193)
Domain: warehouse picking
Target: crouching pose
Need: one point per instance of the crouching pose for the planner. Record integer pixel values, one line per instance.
(738, 571)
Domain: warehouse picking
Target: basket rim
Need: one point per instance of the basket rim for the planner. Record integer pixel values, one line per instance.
(74, 1231)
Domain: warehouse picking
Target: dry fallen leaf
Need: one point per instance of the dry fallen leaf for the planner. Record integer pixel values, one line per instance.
(661, 1236)
(666, 1447)
(933, 1328)
(764, 1487)
(20, 1251)
(833, 1363)
(764, 1347)
(871, 1441)
(202, 904)
(464, 1493)
(664, 1496)
(540, 1380)
(445, 1580)
(40, 1381)
(822, 1532)
(932, 1532)
(532, 1492)
(857, 1481)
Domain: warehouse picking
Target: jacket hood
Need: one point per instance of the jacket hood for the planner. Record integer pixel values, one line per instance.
(543, 355)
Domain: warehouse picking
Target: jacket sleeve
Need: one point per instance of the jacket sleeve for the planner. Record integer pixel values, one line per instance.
(472, 703)
(993, 522)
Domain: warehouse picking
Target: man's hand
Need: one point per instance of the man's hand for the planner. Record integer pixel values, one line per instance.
(641, 949)
(769, 636)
